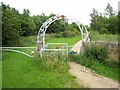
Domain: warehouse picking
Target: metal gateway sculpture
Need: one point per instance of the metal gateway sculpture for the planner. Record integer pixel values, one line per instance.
(47, 23)
(41, 47)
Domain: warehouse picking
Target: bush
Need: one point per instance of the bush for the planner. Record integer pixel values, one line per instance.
(103, 31)
(68, 33)
(53, 63)
(81, 59)
(76, 31)
(97, 52)
(58, 35)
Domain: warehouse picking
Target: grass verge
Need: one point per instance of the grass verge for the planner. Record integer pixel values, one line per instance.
(108, 69)
(95, 36)
(20, 71)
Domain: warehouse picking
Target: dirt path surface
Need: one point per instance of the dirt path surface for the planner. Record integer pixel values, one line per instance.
(89, 79)
(77, 46)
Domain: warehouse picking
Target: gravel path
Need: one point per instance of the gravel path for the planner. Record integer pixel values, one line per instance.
(77, 46)
(87, 77)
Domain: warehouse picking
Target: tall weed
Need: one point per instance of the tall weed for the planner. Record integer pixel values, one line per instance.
(52, 63)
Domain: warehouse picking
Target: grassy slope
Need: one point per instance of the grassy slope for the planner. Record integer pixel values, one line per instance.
(70, 40)
(110, 72)
(23, 72)
(31, 40)
(95, 36)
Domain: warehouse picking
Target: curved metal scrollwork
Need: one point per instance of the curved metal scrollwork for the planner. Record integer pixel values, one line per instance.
(47, 23)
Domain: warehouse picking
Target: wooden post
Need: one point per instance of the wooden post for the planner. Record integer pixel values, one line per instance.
(38, 46)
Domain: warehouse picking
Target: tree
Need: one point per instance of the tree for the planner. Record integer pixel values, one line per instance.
(118, 22)
(94, 13)
(10, 25)
(109, 11)
(38, 21)
(57, 26)
(94, 19)
(113, 25)
(104, 24)
(25, 20)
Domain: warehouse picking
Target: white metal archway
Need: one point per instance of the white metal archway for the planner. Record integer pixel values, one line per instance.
(41, 35)
(46, 24)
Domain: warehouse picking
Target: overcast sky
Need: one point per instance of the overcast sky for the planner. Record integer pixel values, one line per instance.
(79, 9)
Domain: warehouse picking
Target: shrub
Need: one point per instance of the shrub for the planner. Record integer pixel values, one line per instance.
(68, 33)
(58, 35)
(76, 31)
(103, 30)
(97, 52)
(53, 63)
(81, 59)
(64, 34)
(112, 63)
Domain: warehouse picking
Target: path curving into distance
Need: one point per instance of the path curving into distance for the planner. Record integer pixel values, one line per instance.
(86, 77)
(77, 47)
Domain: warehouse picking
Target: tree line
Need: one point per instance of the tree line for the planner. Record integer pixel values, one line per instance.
(15, 24)
(105, 23)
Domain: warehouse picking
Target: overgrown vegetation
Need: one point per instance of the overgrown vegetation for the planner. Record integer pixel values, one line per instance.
(96, 52)
(96, 36)
(68, 33)
(95, 57)
(25, 72)
(54, 63)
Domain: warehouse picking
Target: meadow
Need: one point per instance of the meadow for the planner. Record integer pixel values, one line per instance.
(95, 36)
(20, 71)
(30, 41)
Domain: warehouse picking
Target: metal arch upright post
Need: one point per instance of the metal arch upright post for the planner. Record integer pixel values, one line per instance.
(46, 24)
(42, 31)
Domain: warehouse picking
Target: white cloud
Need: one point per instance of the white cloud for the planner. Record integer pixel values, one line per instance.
(80, 9)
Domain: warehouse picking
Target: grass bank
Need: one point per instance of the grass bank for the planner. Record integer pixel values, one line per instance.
(109, 69)
(70, 40)
(20, 71)
(31, 40)
(95, 36)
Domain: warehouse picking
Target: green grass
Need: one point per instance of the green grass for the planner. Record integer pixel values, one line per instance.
(0, 70)
(28, 41)
(0, 74)
(31, 40)
(95, 36)
(20, 71)
(110, 71)
(70, 40)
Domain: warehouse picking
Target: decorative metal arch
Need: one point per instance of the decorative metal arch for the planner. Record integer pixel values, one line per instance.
(46, 24)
